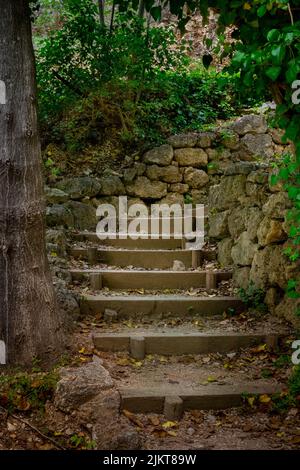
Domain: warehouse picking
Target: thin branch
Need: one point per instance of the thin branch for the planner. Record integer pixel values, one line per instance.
(68, 84)
(291, 13)
(36, 430)
(112, 17)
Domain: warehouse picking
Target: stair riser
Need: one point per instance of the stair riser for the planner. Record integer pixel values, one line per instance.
(142, 259)
(178, 345)
(128, 243)
(151, 280)
(139, 307)
(154, 403)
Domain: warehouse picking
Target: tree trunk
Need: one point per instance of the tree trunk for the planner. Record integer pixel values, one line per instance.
(101, 12)
(29, 319)
(141, 9)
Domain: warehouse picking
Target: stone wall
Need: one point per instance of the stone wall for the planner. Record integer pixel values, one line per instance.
(227, 168)
(180, 171)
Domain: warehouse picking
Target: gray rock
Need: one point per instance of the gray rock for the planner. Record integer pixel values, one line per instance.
(258, 177)
(55, 196)
(180, 188)
(59, 215)
(227, 193)
(253, 222)
(168, 174)
(269, 267)
(218, 153)
(145, 188)
(260, 145)
(80, 384)
(111, 185)
(241, 277)
(183, 140)
(250, 123)
(270, 231)
(178, 265)
(162, 155)
(194, 157)
(84, 215)
(140, 168)
(205, 139)
(218, 225)
(129, 175)
(173, 198)
(277, 205)
(240, 168)
(199, 196)
(224, 252)
(196, 179)
(68, 304)
(244, 250)
(80, 187)
(110, 316)
(230, 140)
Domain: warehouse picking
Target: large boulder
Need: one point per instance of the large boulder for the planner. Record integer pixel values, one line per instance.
(224, 252)
(270, 231)
(253, 123)
(90, 391)
(84, 215)
(59, 215)
(81, 187)
(196, 179)
(277, 205)
(226, 194)
(260, 145)
(244, 250)
(242, 219)
(253, 222)
(111, 185)
(195, 157)
(161, 156)
(269, 267)
(168, 174)
(218, 225)
(241, 277)
(287, 309)
(147, 189)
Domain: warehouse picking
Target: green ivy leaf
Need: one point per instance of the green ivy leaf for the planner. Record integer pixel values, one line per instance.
(273, 72)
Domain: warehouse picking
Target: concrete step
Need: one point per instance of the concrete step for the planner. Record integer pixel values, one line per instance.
(129, 243)
(134, 306)
(209, 397)
(171, 342)
(160, 259)
(126, 279)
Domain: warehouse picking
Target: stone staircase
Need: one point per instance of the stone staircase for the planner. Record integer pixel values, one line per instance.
(125, 279)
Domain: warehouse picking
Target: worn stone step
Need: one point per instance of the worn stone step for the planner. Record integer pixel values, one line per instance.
(160, 259)
(126, 279)
(128, 243)
(170, 342)
(134, 306)
(209, 397)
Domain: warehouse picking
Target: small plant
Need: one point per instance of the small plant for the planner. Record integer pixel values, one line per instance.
(253, 297)
(27, 391)
(81, 441)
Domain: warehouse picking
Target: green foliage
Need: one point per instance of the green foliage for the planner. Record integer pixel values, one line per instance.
(253, 297)
(27, 391)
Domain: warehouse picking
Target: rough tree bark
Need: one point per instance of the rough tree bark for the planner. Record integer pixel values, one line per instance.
(101, 4)
(29, 319)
